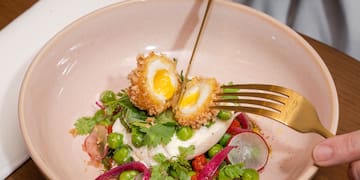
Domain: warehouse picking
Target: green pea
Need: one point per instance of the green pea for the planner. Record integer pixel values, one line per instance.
(224, 115)
(122, 155)
(250, 174)
(107, 96)
(225, 139)
(214, 150)
(184, 133)
(128, 175)
(137, 138)
(115, 140)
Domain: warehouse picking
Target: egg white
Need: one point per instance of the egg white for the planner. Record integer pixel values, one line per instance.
(203, 139)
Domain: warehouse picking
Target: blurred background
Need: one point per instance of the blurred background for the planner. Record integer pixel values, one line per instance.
(334, 22)
(330, 21)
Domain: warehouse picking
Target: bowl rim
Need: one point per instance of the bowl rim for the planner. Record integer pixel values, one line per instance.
(307, 173)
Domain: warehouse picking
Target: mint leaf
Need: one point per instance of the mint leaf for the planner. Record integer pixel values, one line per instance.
(84, 125)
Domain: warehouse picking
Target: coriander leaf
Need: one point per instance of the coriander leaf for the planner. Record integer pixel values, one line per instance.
(109, 110)
(160, 158)
(181, 167)
(174, 168)
(158, 172)
(183, 174)
(167, 118)
(84, 125)
(128, 112)
(132, 115)
(141, 125)
(231, 172)
(99, 115)
(158, 134)
(125, 102)
(186, 151)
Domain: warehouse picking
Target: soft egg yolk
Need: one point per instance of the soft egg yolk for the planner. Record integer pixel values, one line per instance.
(163, 84)
(190, 99)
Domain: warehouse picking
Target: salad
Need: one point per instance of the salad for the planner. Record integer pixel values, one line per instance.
(151, 131)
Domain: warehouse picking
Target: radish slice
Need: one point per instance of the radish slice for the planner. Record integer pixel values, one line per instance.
(251, 149)
(244, 121)
(237, 130)
(95, 143)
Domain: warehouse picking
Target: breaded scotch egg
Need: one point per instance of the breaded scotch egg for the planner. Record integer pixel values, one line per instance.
(153, 83)
(193, 109)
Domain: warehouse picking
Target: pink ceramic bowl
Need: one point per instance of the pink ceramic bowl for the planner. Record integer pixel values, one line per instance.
(98, 51)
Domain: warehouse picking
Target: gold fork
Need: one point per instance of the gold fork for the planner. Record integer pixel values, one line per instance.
(278, 103)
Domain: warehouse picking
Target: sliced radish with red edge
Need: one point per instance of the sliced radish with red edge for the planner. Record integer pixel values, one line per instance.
(251, 149)
(244, 121)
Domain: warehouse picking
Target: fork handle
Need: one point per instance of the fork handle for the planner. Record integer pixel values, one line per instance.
(324, 132)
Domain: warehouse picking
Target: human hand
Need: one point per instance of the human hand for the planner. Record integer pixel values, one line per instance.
(338, 150)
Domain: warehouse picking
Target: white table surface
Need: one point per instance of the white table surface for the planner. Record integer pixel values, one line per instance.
(19, 43)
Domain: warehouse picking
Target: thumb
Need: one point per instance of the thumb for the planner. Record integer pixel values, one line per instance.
(338, 149)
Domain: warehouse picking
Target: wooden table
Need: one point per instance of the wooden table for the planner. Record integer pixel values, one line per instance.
(344, 69)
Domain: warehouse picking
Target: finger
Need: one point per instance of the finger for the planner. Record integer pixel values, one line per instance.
(354, 170)
(338, 149)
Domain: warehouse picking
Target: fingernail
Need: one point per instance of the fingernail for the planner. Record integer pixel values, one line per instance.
(322, 153)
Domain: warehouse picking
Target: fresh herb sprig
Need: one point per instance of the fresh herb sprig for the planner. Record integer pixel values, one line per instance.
(155, 130)
(173, 168)
(112, 107)
(231, 171)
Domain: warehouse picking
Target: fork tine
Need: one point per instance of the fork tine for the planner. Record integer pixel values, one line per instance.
(267, 104)
(253, 110)
(273, 97)
(264, 87)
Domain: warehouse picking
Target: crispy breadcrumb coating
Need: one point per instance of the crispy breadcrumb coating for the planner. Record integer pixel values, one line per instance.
(203, 114)
(141, 95)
